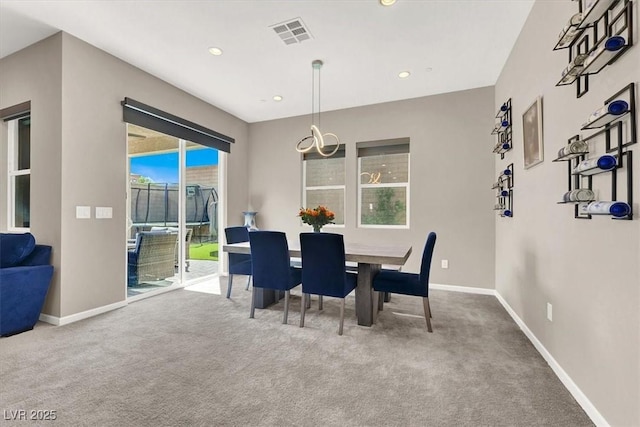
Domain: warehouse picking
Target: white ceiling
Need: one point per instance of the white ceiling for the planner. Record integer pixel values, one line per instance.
(364, 46)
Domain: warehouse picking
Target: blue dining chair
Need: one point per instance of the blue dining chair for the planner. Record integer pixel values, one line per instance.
(324, 271)
(271, 269)
(397, 282)
(238, 263)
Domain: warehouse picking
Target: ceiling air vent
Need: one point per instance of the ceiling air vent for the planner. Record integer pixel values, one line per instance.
(292, 31)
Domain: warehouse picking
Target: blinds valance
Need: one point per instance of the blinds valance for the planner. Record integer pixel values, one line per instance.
(386, 146)
(16, 111)
(140, 114)
(314, 155)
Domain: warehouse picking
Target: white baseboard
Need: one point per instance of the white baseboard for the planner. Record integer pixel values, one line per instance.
(465, 289)
(575, 391)
(59, 321)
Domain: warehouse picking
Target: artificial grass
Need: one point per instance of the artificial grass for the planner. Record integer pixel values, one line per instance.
(203, 251)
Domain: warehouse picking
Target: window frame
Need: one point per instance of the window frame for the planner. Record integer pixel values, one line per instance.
(13, 172)
(342, 187)
(405, 185)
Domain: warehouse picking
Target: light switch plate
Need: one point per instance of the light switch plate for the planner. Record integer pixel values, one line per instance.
(103, 212)
(445, 263)
(83, 212)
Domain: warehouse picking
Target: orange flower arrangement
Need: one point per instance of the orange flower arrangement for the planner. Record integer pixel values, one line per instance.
(317, 217)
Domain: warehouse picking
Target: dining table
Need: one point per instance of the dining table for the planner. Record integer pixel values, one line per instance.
(369, 258)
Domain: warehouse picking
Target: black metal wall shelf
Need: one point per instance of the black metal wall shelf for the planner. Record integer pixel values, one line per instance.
(503, 129)
(594, 11)
(575, 148)
(580, 191)
(570, 32)
(615, 109)
(504, 195)
(603, 34)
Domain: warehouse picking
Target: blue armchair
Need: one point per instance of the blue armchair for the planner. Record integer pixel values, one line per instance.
(25, 275)
(238, 263)
(324, 270)
(410, 283)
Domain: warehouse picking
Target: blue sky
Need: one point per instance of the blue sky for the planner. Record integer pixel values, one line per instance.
(164, 167)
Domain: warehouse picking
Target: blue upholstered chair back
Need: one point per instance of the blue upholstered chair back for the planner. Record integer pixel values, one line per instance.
(238, 263)
(270, 260)
(236, 234)
(323, 265)
(427, 254)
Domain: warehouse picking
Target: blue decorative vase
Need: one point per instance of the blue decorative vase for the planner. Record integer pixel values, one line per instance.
(250, 220)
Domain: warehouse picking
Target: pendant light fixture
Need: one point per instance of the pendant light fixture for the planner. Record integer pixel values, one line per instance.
(317, 138)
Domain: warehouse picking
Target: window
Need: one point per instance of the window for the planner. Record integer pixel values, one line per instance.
(19, 169)
(383, 187)
(323, 182)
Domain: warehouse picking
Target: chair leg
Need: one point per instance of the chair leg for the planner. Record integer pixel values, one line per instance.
(308, 304)
(253, 303)
(430, 312)
(319, 302)
(427, 313)
(186, 268)
(375, 306)
(229, 283)
(248, 283)
(286, 307)
(341, 317)
(303, 308)
(380, 300)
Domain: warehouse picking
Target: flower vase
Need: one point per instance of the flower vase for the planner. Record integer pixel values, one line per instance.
(317, 228)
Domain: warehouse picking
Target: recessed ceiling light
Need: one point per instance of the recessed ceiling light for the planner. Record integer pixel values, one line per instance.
(387, 2)
(277, 98)
(216, 51)
(404, 74)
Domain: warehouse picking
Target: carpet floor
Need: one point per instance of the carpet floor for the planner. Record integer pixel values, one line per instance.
(196, 359)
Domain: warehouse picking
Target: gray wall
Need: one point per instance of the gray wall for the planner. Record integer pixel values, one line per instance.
(79, 158)
(451, 170)
(588, 269)
(34, 75)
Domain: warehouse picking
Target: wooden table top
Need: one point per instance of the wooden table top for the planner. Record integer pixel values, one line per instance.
(356, 252)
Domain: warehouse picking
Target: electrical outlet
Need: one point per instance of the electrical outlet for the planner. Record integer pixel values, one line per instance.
(549, 312)
(445, 263)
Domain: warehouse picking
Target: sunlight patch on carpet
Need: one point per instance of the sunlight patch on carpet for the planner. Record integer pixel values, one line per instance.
(211, 286)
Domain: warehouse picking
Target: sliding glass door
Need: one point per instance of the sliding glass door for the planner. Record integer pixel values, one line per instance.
(201, 207)
(173, 203)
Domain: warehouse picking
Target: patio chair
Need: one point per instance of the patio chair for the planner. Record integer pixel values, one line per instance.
(153, 258)
(187, 239)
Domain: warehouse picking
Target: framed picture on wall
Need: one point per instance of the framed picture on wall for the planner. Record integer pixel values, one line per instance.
(532, 134)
